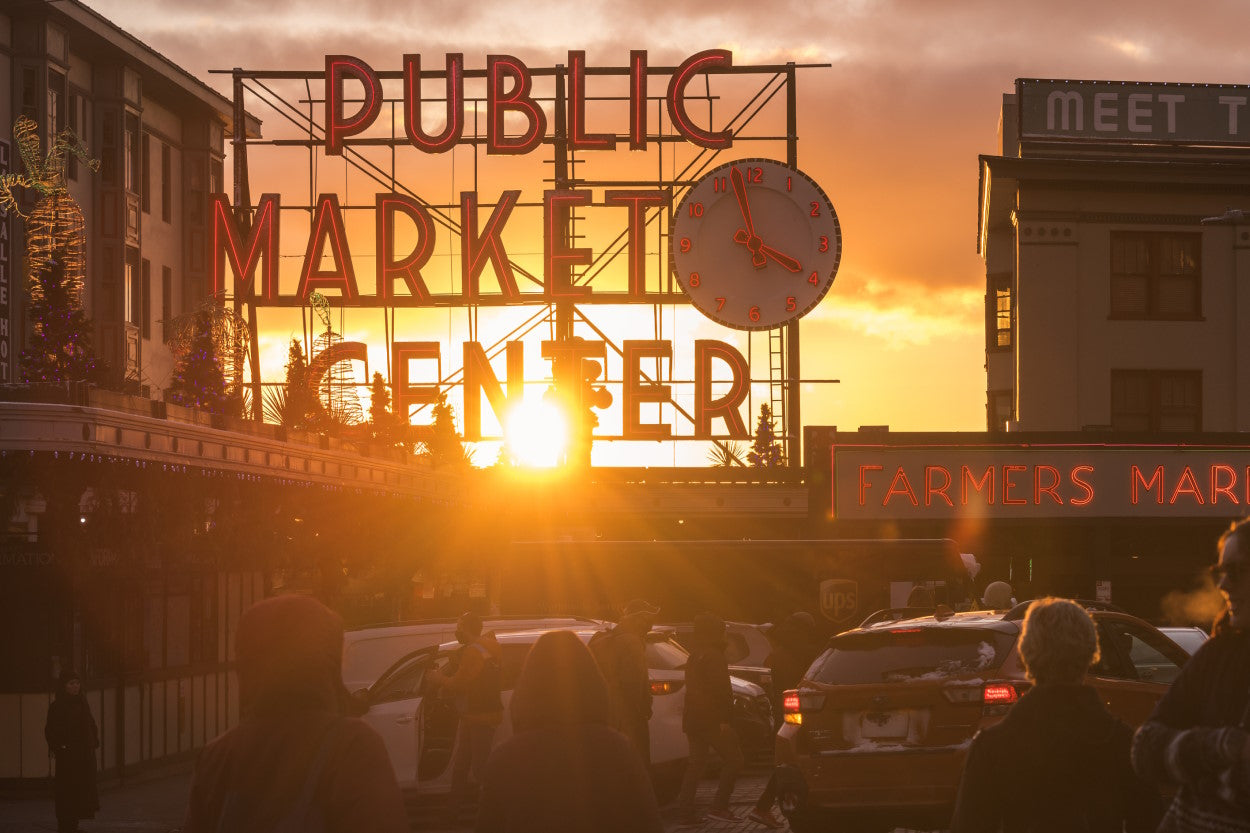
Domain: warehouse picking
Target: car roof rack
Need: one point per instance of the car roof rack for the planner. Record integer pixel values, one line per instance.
(894, 614)
(1017, 612)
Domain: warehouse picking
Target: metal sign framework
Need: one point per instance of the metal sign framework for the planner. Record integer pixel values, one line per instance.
(272, 89)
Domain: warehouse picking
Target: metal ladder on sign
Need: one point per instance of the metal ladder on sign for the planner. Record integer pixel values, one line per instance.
(777, 385)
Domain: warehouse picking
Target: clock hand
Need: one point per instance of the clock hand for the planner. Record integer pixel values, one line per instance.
(785, 260)
(759, 250)
(747, 235)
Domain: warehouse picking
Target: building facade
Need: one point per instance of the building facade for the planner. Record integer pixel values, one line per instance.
(1111, 228)
(159, 136)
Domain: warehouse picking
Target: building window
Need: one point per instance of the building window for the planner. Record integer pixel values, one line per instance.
(1156, 274)
(56, 105)
(1156, 400)
(132, 289)
(167, 303)
(76, 123)
(130, 154)
(1000, 409)
(167, 183)
(146, 184)
(145, 318)
(30, 93)
(998, 312)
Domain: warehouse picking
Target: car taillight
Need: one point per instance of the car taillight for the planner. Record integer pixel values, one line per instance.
(794, 703)
(999, 694)
(665, 686)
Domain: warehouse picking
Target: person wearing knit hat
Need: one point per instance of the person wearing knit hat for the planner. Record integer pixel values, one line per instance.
(998, 596)
(295, 761)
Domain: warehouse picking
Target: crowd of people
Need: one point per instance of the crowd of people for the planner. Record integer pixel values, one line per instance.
(577, 758)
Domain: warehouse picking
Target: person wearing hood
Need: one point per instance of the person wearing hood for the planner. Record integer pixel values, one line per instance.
(475, 685)
(1058, 760)
(1198, 738)
(705, 720)
(565, 770)
(295, 761)
(72, 738)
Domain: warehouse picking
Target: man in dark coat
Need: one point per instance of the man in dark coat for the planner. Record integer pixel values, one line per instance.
(622, 657)
(1059, 759)
(295, 761)
(72, 738)
(705, 720)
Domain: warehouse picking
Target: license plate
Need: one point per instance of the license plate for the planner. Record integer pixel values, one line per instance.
(883, 725)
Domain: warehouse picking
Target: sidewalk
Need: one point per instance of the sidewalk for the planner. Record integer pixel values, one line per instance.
(151, 805)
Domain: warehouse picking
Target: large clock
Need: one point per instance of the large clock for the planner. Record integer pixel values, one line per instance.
(755, 244)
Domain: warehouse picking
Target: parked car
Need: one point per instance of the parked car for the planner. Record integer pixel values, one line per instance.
(876, 734)
(1190, 638)
(370, 650)
(418, 725)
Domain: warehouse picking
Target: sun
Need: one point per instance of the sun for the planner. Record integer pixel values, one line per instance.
(536, 434)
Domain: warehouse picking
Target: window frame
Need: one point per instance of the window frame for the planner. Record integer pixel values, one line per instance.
(1156, 413)
(1153, 276)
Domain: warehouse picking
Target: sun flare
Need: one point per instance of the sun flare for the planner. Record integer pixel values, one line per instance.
(536, 434)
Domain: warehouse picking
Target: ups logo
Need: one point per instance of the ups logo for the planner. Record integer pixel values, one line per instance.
(839, 598)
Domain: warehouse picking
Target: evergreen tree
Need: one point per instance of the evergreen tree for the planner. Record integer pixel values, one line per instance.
(443, 445)
(302, 408)
(766, 450)
(387, 427)
(199, 381)
(60, 343)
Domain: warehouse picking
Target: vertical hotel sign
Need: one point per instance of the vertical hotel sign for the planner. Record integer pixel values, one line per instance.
(6, 273)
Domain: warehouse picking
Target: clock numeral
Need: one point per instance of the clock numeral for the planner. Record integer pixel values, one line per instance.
(696, 209)
(814, 280)
(720, 304)
(790, 304)
(695, 280)
(789, 183)
(720, 184)
(815, 209)
(755, 175)
(685, 244)
(754, 314)
(824, 243)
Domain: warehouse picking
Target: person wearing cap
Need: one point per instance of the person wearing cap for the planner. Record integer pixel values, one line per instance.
(476, 685)
(705, 720)
(621, 654)
(296, 760)
(72, 738)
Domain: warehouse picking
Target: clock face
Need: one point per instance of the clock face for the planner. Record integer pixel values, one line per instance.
(755, 244)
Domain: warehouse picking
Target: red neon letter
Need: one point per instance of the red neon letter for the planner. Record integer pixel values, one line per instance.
(863, 481)
(1187, 485)
(479, 378)
(930, 489)
(637, 203)
(696, 63)
(499, 67)
(895, 489)
(262, 239)
(578, 138)
(1226, 489)
(476, 249)
(558, 258)
(408, 267)
(339, 67)
(455, 104)
(328, 226)
(1007, 499)
(984, 486)
(1039, 489)
(1156, 480)
(1088, 490)
(636, 392)
(705, 407)
(638, 99)
(407, 395)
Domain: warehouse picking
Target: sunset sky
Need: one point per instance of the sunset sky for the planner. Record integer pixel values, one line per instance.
(891, 131)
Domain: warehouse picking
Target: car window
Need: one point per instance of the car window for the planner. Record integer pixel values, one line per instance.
(736, 650)
(666, 655)
(402, 683)
(1144, 650)
(910, 654)
(366, 659)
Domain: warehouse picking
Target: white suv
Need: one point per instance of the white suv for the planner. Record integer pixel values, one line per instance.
(420, 731)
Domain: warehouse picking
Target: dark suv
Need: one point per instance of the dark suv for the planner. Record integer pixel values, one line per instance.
(876, 734)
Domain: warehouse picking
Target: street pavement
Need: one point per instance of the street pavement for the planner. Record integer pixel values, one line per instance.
(156, 804)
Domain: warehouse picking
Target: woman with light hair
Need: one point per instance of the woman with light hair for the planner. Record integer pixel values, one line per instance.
(1058, 760)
